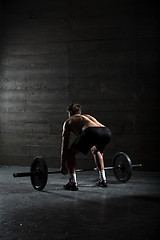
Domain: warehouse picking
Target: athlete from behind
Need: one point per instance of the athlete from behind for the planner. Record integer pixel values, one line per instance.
(91, 135)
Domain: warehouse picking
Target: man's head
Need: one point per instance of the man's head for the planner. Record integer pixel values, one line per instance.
(74, 108)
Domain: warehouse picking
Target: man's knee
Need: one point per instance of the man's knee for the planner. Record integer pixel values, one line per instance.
(94, 150)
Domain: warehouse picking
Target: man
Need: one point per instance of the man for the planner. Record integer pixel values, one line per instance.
(91, 135)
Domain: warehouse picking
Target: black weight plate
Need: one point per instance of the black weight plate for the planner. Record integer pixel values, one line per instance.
(122, 167)
(39, 179)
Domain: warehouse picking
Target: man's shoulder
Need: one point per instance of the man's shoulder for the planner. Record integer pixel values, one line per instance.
(73, 119)
(86, 115)
(69, 121)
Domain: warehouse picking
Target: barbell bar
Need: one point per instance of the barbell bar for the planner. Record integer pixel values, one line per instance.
(121, 166)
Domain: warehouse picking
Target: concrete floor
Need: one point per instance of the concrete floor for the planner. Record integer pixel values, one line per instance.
(120, 211)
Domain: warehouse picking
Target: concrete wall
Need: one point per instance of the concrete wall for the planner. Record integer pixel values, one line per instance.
(101, 54)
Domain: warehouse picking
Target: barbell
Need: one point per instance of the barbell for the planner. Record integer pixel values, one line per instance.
(121, 166)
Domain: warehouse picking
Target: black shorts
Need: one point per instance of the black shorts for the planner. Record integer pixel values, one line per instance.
(92, 136)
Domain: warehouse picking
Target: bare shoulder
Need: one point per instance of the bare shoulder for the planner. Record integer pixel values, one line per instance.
(90, 117)
(87, 115)
(69, 121)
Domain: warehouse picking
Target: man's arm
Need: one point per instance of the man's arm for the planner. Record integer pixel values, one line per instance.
(65, 145)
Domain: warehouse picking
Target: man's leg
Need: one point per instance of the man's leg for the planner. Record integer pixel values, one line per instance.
(71, 165)
(71, 160)
(98, 158)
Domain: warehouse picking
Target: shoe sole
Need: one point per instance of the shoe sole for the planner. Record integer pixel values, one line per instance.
(101, 185)
(70, 189)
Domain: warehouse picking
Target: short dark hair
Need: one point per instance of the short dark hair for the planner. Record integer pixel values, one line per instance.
(74, 108)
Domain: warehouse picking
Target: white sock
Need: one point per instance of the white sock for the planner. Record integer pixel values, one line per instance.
(73, 177)
(102, 175)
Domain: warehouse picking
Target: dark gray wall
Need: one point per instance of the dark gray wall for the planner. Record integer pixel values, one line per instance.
(102, 54)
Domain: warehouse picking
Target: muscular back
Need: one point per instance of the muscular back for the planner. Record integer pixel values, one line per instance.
(78, 123)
